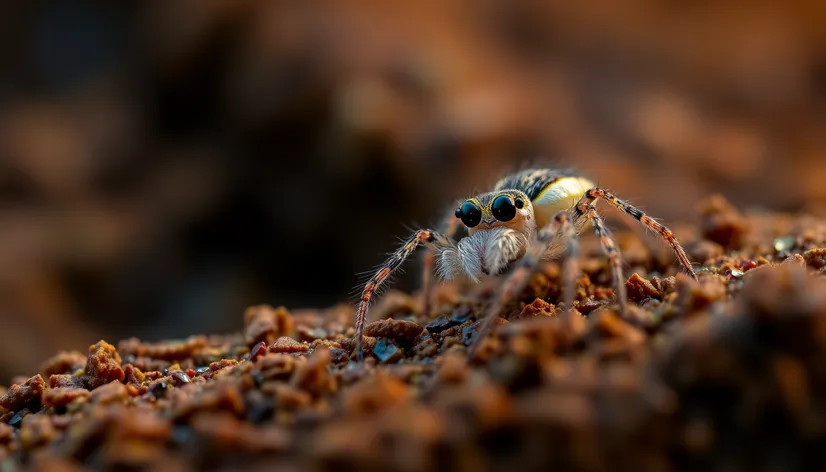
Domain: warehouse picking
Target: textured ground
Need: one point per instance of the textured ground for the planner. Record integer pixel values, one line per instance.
(728, 373)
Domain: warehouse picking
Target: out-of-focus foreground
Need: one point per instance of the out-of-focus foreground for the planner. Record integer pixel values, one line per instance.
(163, 164)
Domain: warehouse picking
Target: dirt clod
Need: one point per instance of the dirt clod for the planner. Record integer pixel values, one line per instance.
(20, 396)
(103, 365)
(815, 258)
(639, 289)
(399, 330)
(722, 223)
(265, 324)
(287, 344)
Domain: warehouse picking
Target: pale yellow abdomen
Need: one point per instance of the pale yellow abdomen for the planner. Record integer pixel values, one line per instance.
(562, 194)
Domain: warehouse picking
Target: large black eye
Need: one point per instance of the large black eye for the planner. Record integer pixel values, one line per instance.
(503, 208)
(470, 214)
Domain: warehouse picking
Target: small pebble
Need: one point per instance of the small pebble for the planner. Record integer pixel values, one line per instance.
(17, 419)
(158, 389)
(386, 351)
(439, 324)
(258, 350)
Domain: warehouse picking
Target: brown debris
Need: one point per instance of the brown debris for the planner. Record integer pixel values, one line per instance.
(349, 344)
(795, 259)
(229, 433)
(113, 392)
(222, 364)
(65, 362)
(815, 258)
(169, 351)
(287, 344)
(6, 434)
(313, 375)
(453, 369)
(722, 223)
(103, 365)
(704, 250)
(289, 398)
(36, 430)
(639, 289)
(62, 396)
(19, 396)
(222, 396)
(265, 324)
(610, 324)
(402, 331)
(379, 392)
(66, 381)
(132, 375)
(325, 343)
(147, 364)
(773, 368)
(394, 303)
(693, 296)
(537, 308)
(278, 366)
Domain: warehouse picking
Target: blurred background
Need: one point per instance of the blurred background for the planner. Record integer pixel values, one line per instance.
(163, 165)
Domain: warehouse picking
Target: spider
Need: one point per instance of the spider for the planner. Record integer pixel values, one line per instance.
(529, 217)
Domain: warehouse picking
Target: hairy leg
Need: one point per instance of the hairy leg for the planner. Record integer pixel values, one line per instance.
(592, 195)
(387, 268)
(611, 250)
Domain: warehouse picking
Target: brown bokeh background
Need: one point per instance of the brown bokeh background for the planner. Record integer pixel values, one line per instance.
(165, 164)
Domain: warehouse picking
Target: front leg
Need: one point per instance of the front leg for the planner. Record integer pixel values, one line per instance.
(418, 238)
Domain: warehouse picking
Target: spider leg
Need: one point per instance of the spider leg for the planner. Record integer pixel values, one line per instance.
(570, 264)
(449, 226)
(596, 193)
(387, 268)
(522, 273)
(611, 250)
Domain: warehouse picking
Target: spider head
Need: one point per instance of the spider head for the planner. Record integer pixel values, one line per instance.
(506, 209)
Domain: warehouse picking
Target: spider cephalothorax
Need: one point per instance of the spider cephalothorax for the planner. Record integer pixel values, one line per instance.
(528, 217)
(500, 226)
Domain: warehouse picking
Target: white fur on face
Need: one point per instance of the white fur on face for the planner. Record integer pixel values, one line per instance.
(487, 251)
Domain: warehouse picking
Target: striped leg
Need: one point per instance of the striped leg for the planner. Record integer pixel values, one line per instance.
(595, 193)
(390, 265)
(611, 251)
(522, 274)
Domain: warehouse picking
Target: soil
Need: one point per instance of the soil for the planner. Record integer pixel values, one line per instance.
(726, 372)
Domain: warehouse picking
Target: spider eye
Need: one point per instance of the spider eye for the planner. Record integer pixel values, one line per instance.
(470, 214)
(503, 208)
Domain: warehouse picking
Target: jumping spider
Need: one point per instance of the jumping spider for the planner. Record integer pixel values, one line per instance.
(528, 217)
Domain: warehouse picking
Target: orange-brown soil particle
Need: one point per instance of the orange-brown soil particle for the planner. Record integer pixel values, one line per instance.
(19, 396)
(103, 365)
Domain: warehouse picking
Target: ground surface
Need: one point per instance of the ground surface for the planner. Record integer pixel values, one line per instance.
(728, 373)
